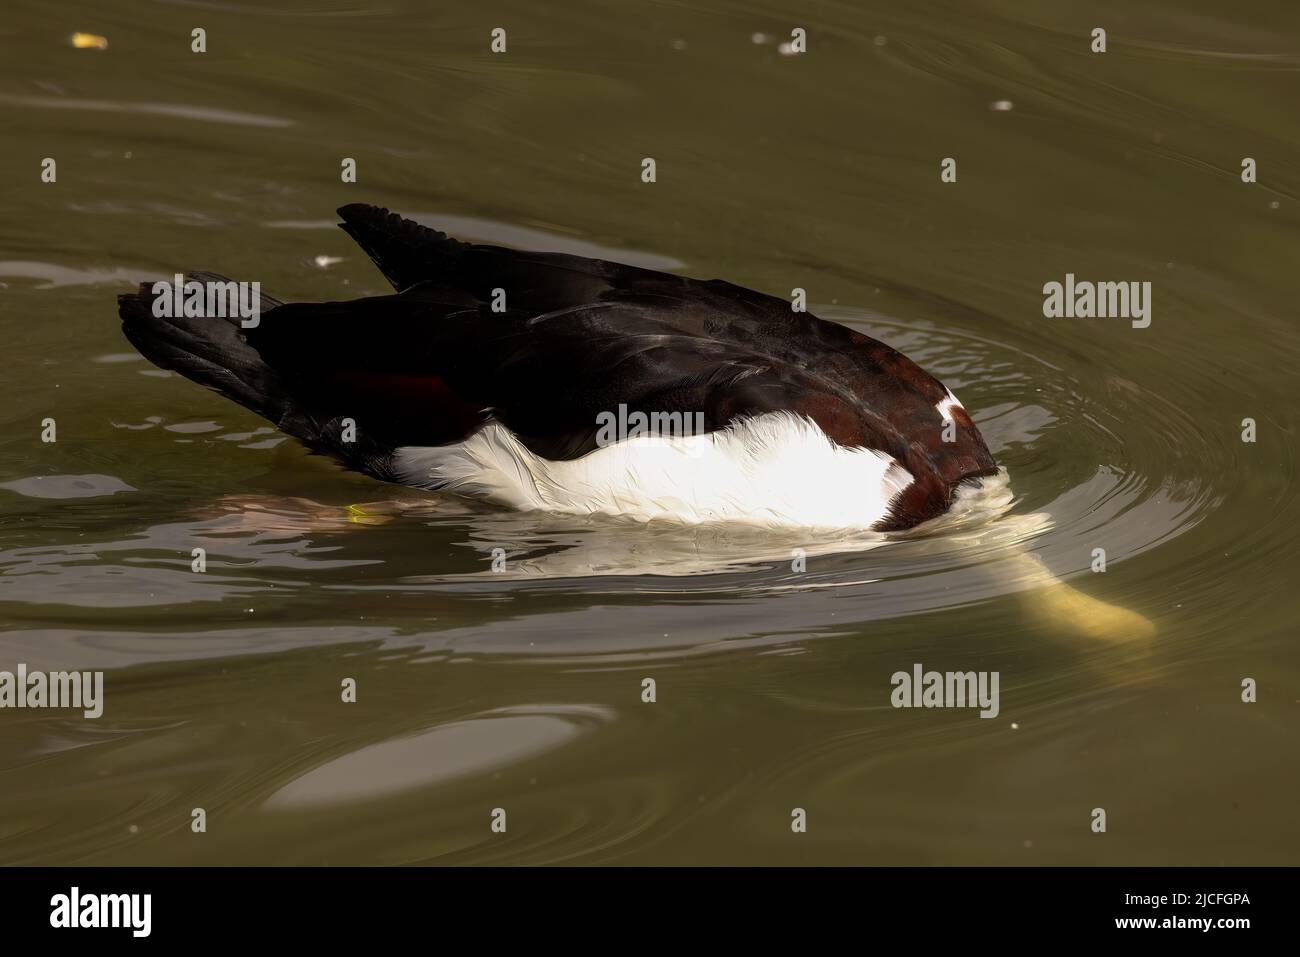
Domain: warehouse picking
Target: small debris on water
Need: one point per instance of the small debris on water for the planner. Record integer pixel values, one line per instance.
(88, 41)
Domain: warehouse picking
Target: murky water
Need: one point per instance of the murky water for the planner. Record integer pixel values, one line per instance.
(522, 689)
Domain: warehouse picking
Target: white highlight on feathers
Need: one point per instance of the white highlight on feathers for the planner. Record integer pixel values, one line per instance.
(946, 405)
(774, 470)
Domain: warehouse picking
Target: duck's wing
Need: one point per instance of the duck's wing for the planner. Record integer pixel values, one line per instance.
(620, 332)
(430, 365)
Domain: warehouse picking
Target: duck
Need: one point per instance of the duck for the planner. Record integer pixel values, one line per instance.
(509, 377)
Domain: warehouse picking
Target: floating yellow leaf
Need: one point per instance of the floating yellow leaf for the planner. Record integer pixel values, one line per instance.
(89, 41)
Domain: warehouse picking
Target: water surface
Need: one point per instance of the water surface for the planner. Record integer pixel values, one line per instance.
(522, 689)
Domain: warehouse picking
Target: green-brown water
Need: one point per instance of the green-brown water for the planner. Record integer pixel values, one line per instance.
(522, 690)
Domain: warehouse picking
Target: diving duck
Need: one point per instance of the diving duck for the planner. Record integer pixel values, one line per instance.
(500, 374)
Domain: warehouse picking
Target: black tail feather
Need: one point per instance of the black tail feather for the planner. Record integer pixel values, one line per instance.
(405, 252)
(215, 352)
(209, 350)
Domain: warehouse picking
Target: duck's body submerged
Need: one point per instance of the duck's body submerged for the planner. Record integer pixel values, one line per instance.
(497, 373)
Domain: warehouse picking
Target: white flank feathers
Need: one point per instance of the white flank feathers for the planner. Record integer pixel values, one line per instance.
(777, 470)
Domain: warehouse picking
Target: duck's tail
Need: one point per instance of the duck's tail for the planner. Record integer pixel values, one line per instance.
(209, 349)
(213, 350)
